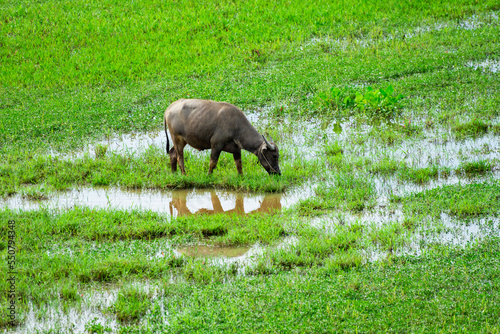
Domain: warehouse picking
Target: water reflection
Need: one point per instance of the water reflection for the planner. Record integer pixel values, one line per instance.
(180, 204)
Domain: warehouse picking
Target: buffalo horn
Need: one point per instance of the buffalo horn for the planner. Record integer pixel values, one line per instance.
(269, 145)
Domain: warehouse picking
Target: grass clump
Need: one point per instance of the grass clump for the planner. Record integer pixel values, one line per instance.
(69, 292)
(462, 201)
(313, 249)
(334, 149)
(100, 151)
(409, 128)
(354, 193)
(97, 328)
(35, 193)
(386, 166)
(343, 261)
(419, 175)
(131, 304)
(474, 168)
(389, 237)
(199, 272)
(473, 129)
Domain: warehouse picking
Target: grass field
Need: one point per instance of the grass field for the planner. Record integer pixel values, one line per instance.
(387, 116)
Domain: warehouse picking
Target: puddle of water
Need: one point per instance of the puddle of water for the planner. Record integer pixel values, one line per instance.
(56, 319)
(447, 230)
(472, 22)
(466, 232)
(432, 150)
(393, 186)
(174, 203)
(488, 64)
(94, 305)
(210, 251)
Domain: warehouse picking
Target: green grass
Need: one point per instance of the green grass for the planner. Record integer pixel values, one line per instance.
(81, 247)
(130, 305)
(444, 290)
(476, 167)
(118, 92)
(476, 199)
(386, 166)
(474, 129)
(49, 43)
(314, 249)
(353, 193)
(419, 175)
(148, 170)
(333, 149)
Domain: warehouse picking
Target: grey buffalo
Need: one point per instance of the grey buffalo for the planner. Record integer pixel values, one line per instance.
(217, 126)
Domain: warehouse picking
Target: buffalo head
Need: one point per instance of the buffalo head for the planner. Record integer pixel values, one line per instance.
(269, 155)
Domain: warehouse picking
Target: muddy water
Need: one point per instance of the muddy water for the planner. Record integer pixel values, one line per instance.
(209, 251)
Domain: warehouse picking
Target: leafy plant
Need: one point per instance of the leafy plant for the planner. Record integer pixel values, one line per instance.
(337, 98)
(371, 102)
(379, 102)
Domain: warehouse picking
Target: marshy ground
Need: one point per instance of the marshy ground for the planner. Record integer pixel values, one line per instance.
(386, 217)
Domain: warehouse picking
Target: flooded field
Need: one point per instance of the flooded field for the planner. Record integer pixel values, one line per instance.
(388, 128)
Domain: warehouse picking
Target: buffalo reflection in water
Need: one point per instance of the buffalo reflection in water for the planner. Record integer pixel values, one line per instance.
(179, 202)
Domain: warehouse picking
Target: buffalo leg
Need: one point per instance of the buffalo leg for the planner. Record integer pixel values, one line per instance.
(214, 158)
(180, 161)
(173, 159)
(179, 152)
(237, 161)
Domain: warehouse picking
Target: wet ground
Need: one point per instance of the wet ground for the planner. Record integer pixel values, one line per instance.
(300, 139)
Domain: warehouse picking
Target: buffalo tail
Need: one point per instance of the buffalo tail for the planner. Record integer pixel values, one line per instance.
(166, 134)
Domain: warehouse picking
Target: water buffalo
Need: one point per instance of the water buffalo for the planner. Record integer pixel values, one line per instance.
(217, 126)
